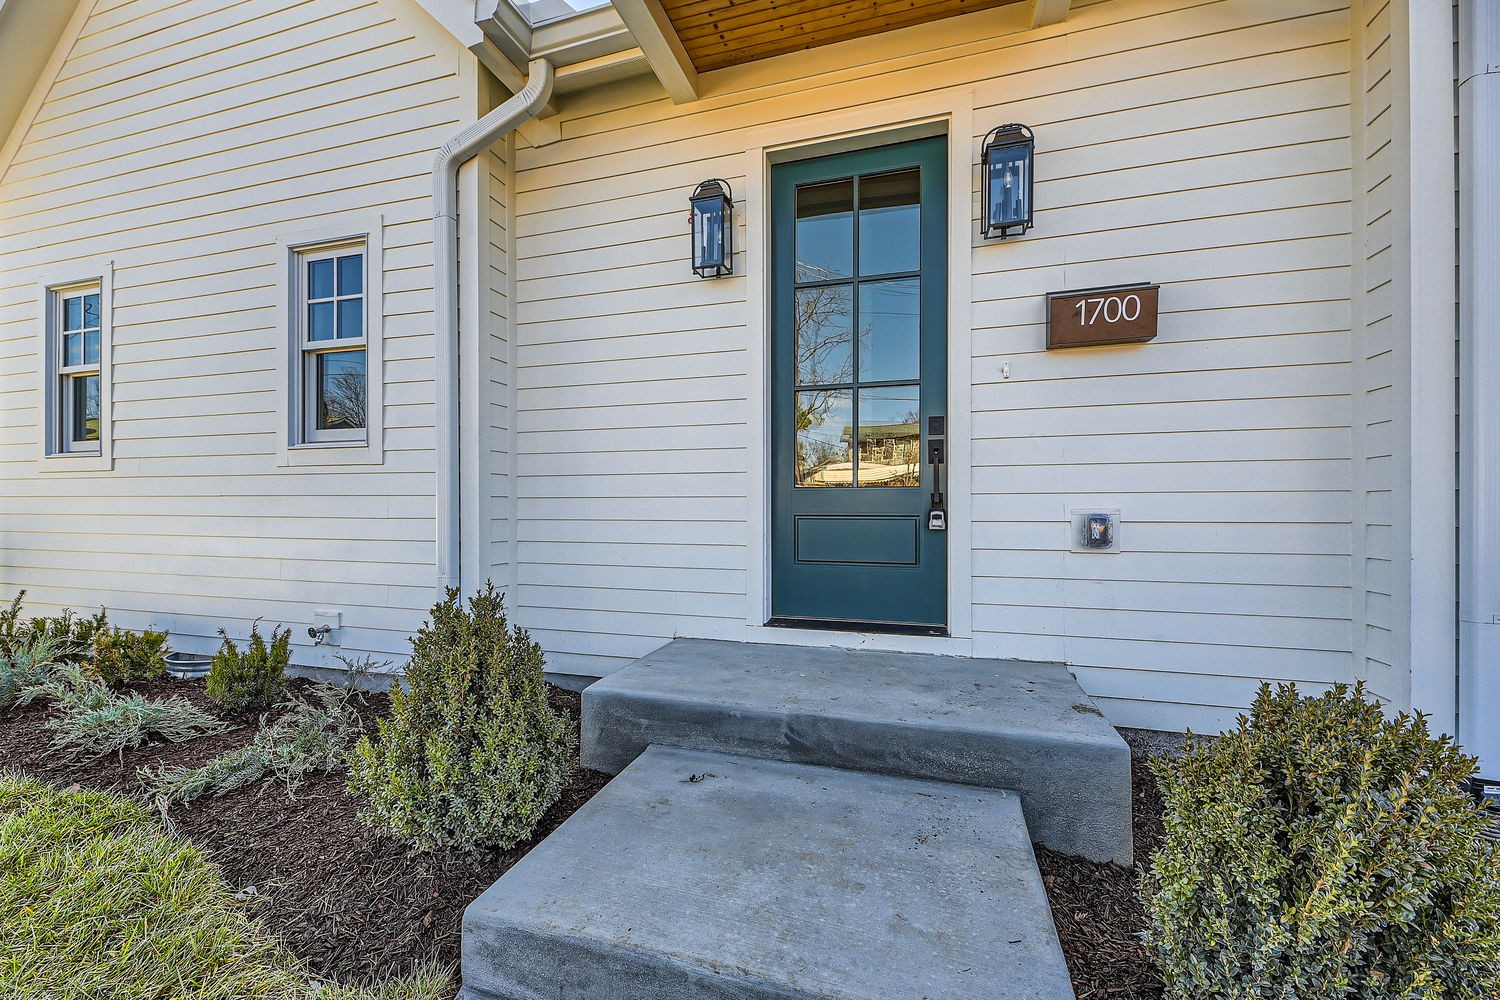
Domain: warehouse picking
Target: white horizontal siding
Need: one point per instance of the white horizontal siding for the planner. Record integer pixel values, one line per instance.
(1205, 146)
(180, 140)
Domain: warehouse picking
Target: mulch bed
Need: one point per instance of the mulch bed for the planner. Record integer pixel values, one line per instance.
(356, 903)
(353, 902)
(1097, 912)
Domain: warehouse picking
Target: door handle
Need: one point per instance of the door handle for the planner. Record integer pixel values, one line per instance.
(937, 514)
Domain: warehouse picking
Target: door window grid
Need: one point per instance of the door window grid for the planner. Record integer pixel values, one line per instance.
(79, 326)
(332, 343)
(855, 427)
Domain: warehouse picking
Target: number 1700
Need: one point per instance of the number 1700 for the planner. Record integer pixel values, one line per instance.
(1114, 309)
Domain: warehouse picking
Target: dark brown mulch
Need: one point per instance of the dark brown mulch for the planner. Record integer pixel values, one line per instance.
(355, 903)
(351, 901)
(1097, 912)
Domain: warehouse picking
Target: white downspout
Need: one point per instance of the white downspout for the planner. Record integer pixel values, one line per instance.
(1479, 380)
(457, 151)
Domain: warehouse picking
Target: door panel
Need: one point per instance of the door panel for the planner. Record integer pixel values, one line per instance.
(859, 364)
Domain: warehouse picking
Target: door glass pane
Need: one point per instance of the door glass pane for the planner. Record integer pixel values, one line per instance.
(890, 218)
(823, 323)
(320, 279)
(351, 318)
(85, 403)
(340, 390)
(352, 274)
(890, 437)
(825, 420)
(890, 330)
(825, 231)
(320, 321)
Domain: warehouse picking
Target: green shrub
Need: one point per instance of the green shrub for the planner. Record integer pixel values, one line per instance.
(98, 901)
(471, 754)
(1323, 851)
(254, 678)
(123, 657)
(72, 637)
(310, 736)
(26, 668)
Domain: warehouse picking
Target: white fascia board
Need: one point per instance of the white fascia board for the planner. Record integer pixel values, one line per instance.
(581, 37)
(657, 38)
(1045, 12)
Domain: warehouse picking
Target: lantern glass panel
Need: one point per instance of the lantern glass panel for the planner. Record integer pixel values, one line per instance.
(1009, 186)
(708, 234)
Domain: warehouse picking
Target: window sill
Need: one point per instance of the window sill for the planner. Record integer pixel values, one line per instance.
(77, 461)
(325, 453)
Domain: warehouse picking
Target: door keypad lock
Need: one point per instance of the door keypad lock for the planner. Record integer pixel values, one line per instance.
(937, 512)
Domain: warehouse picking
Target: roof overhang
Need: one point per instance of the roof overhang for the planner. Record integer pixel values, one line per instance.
(585, 49)
(30, 31)
(682, 39)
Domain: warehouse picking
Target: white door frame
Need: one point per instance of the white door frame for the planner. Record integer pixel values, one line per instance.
(950, 113)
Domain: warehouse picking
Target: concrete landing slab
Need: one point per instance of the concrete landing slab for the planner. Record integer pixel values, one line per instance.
(1010, 724)
(701, 876)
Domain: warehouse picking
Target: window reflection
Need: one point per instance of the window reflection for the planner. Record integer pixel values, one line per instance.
(825, 419)
(890, 330)
(823, 324)
(890, 223)
(825, 231)
(341, 390)
(890, 437)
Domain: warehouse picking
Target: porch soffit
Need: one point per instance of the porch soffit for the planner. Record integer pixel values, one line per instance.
(720, 33)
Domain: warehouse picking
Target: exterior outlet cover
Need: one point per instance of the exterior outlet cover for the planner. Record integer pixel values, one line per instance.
(1106, 529)
(333, 619)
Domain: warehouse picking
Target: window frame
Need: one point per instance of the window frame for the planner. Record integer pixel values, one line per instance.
(59, 451)
(310, 350)
(299, 443)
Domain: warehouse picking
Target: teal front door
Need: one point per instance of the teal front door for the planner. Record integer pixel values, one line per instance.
(859, 393)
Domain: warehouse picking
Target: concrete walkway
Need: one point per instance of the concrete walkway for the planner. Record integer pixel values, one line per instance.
(704, 876)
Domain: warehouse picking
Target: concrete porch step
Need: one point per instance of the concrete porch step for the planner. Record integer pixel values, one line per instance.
(703, 876)
(1009, 724)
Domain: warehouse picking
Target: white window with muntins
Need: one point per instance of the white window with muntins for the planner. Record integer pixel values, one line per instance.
(332, 315)
(332, 355)
(75, 345)
(80, 328)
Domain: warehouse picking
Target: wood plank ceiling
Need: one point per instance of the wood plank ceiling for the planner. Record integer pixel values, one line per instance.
(719, 33)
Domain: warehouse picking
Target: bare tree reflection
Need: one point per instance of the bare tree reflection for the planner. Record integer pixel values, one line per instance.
(824, 358)
(342, 401)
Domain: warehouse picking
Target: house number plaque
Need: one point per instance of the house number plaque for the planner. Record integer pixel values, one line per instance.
(1093, 317)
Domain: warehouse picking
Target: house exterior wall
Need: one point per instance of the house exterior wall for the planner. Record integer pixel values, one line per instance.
(179, 142)
(1206, 147)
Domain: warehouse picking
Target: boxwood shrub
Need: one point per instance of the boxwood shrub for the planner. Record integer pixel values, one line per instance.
(1322, 849)
(470, 755)
(251, 678)
(123, 657)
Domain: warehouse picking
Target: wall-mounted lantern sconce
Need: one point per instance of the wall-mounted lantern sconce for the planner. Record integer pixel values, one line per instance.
(713, 229)
(1005, 181)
